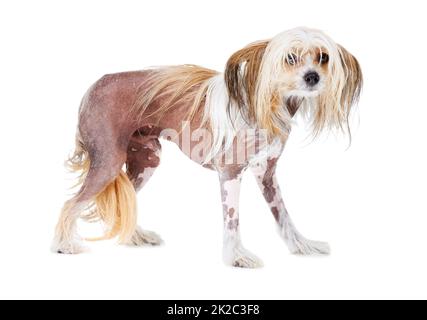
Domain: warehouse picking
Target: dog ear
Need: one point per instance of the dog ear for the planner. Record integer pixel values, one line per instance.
(353, 79)
(241, 75)
(334, 105)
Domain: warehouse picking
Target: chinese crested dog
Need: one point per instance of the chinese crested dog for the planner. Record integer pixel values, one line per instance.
(227, 122)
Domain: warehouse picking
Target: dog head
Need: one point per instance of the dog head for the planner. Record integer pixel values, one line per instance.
(302, 67)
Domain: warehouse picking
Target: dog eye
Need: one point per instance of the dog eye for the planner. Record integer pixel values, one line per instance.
(323, 58)
(292, 59)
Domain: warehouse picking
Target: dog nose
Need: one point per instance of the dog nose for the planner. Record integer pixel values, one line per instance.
(312, 78)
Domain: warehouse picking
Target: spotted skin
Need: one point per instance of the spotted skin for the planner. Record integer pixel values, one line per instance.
(234, 254)
(143, 157)
(265, 172)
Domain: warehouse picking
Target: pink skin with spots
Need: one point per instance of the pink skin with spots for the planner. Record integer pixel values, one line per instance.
(234, 253)
(143, 157)
(265, 174)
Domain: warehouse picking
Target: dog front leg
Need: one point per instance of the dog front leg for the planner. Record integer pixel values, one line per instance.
(265, 173)
(234, 254)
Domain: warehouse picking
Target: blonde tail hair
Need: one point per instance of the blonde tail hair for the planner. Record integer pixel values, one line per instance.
(115, 205)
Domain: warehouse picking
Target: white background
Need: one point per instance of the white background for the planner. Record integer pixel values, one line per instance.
(367, 201)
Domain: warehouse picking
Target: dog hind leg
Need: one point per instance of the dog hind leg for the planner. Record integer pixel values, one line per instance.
(104, 168)
(143, 157)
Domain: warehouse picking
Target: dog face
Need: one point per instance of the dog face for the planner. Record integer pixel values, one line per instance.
(305, 73)
(302, 67)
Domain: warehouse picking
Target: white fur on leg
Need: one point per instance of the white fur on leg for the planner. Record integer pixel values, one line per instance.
(241, 258)
(298, 244)
(67, 247)
(143, 238)
(66, 240)
(235, 255)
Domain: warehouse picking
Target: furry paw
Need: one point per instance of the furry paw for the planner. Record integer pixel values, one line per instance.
(67, 247)
(145, 238)
(302, 246)
(241, 258)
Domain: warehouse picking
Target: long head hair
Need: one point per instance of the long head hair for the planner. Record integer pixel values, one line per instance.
(257, 80)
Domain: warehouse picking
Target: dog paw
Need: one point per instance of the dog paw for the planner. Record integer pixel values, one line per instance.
(242, 258)
(302, 246)
(145, 238)
(68, 247)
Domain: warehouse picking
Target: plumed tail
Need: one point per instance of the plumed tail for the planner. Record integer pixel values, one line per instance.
(115, 206)
(79, 161)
